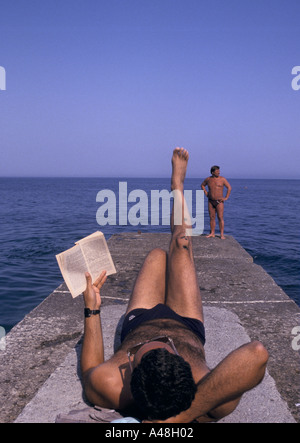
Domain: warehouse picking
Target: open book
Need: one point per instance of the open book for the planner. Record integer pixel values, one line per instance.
(89, 254)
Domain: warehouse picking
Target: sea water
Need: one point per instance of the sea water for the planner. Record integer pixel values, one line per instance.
(41, 217)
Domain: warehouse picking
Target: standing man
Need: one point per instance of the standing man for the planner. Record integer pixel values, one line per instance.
(215, 185)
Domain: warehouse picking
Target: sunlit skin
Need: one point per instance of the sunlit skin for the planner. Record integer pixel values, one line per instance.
(168, 278)
(216, 184)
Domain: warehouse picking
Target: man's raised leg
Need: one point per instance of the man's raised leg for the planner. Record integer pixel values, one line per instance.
(183, 293)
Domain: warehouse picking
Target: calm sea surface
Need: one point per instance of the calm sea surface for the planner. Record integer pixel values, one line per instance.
(41, 217)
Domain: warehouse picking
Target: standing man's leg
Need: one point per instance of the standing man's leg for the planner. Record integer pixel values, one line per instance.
(220, 214)
(212, 219)
(183, 293)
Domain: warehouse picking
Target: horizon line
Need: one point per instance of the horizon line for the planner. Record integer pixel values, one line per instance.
(133, 177)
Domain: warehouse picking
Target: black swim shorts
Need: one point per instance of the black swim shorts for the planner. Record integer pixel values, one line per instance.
(215, 203)
(138, 316)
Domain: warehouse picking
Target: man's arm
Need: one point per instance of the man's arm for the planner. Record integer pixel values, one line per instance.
(92, 355)
(102, 383)
(227, 185)
(219, 392)
(203, 186)
(92, 348)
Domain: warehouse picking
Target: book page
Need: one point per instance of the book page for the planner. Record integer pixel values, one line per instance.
(97, 255)
(73, 267)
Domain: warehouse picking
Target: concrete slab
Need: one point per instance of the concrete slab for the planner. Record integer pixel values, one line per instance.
(62, 392)
(228, 279)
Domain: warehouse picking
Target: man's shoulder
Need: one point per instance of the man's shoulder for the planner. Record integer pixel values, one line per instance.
(108, 370)
(105, 385)
(224, 179)
(105, 371)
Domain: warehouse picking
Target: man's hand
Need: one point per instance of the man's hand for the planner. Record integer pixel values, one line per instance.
(91, 295)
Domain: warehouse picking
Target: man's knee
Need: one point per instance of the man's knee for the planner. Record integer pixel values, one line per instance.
(157, 254)
(182, 241)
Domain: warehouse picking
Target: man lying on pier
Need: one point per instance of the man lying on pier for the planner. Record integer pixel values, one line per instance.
(160, 368)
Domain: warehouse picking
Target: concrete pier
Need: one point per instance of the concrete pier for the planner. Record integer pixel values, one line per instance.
(40, 375)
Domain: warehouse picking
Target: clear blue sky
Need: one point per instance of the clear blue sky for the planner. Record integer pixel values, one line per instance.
(110, 87)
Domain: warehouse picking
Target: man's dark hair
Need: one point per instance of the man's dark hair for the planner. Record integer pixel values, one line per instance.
(213, 168)
(162, 385)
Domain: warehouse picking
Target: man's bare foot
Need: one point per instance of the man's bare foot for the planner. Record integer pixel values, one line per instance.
(179, 165)
(223, 237)
(210, 236)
